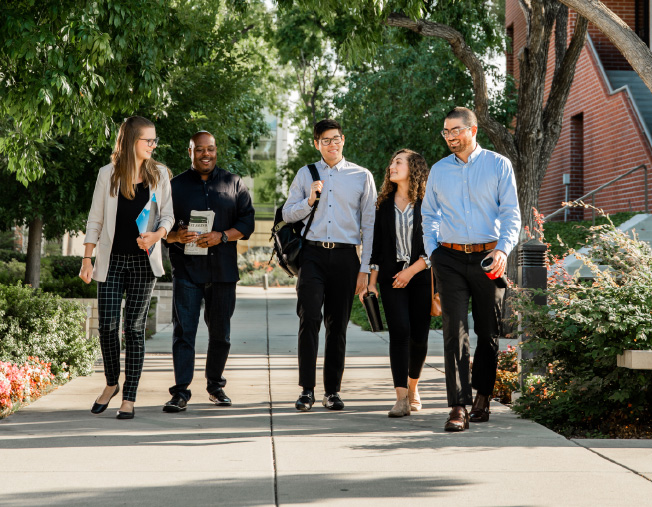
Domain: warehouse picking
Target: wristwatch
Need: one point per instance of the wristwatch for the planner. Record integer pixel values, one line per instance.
(225, 238)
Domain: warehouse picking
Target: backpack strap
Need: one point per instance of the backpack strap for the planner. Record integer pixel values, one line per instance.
(315, 177)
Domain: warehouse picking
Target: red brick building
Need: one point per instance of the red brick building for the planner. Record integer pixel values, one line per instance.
(607, 120)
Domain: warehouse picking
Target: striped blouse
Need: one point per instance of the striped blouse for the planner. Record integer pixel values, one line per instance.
(404, 221)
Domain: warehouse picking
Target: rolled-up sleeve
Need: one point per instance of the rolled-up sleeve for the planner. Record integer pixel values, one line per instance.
(367, 220)
(296, 207)
(431, 216)
(245, 223)
(509, 211)
(95, 220)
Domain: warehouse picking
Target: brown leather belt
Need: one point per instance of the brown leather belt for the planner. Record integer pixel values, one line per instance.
(478, 247)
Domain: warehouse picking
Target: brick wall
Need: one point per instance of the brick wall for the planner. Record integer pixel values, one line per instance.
(613, 139)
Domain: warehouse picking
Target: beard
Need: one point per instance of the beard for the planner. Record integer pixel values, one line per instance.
(463, 145)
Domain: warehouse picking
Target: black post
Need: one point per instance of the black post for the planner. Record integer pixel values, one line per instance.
(532, 274)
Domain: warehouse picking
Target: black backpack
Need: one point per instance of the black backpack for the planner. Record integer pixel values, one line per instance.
(288, 239)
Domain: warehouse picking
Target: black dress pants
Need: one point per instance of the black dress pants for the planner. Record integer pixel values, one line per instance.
(327, 278)
(408, 319)
(460, 277)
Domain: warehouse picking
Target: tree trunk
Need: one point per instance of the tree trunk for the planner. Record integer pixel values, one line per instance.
(33, 264)
(617, 31)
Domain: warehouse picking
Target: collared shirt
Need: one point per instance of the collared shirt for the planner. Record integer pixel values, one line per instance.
(346, 207)
(229, 198)
(471, 203)
(404, 221)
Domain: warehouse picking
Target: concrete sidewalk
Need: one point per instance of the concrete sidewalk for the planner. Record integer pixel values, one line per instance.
(261, 451)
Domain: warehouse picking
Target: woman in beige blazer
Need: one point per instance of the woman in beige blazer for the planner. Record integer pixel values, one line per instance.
(127, 261)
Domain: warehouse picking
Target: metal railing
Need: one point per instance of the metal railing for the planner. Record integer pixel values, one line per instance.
(592, 193)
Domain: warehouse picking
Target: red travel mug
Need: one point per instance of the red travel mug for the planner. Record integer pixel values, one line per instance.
(485, 267)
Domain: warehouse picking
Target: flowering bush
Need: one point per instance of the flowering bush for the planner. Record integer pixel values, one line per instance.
(576, 338)
(20, 383)
(255, 263)
(33, 323)
(507, 375)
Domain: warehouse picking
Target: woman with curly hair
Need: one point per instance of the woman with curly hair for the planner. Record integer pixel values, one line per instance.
(400, 266)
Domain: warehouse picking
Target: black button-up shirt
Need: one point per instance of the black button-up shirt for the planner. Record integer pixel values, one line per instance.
(226, 195)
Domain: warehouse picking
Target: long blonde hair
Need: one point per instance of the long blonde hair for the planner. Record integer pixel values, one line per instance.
(124, 159)
(418, 174)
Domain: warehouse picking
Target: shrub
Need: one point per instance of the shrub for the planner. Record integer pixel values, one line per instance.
(12, 271)
(506, 375)
(255, 263)
(33, 323)
(70, 287)
(23, 383)
(576, 338)
(9, 255)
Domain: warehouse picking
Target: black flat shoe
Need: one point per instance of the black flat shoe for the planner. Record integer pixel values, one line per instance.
(126, 415)
(98, 408)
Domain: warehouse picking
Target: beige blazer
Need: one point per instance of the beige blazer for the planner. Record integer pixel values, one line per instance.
(100, 227)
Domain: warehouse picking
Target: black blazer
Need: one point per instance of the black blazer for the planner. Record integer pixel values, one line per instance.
(384, 244)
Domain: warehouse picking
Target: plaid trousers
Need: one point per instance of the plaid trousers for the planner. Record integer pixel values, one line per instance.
(130, 274)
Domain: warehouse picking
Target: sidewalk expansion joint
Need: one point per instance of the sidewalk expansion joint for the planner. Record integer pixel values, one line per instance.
(611, 460)
(269, 389)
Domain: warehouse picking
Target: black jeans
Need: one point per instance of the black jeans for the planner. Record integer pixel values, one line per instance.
(408, 319)
(326, 278)
(459, 278)
(219, 301)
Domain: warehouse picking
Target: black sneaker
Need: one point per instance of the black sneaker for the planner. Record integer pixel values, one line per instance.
(333, 401)
(220, 398)
(305, 401)
(176, 404)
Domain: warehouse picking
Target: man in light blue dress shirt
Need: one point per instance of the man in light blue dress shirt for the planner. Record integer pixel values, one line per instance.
(331, 272)
(470, 212)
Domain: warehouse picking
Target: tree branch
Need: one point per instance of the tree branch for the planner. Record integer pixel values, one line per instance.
(499, 135)
(623, 37)
(561, 34)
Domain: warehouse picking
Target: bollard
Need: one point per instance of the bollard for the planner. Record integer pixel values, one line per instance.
(532, 274)
(265, 282)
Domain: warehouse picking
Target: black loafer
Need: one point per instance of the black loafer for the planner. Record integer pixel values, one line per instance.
(176, 404)
(220, 398)
(98, 408)
(305, 401)
(333, 401)
(126, 415)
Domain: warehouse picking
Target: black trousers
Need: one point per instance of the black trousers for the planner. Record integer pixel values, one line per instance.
(130, 275)
(459, 278)
(408, 318)
(327, 279)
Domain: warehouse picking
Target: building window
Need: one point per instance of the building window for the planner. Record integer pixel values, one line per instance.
(642, 20)
(576, 184)
(509, 53)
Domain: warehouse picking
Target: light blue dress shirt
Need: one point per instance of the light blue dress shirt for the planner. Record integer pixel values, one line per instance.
(346, 206)
(471, 203)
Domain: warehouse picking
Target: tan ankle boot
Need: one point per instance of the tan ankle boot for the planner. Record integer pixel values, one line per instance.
(415, 400)
(400, 409)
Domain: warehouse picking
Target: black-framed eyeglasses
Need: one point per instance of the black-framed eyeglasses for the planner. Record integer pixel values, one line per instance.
(454, 132)
(327, 140)
(150, 142)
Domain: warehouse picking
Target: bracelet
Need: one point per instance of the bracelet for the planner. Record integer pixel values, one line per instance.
(87, 258)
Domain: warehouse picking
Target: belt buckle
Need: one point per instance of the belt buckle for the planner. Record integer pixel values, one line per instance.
(468, 249)
(328, 245)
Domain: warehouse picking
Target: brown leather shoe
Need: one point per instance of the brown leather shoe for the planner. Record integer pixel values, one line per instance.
(480, 409)
(458, 420)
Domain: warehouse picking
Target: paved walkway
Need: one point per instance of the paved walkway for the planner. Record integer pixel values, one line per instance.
(262, 452)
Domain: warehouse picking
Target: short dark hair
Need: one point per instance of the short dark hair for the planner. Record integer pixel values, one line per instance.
(464, 114)
(324, 125)
(197, 135)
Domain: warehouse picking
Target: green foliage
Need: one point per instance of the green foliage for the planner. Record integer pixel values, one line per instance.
(8, 255)
(401, 100)
(36, 324)
(70, 65)
(255, 263)
(575, 234)
(577, 337)
(223, 89)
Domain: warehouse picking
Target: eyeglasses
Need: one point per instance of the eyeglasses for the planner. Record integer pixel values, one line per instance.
(454, 132)
(150, 142)
(327, 140)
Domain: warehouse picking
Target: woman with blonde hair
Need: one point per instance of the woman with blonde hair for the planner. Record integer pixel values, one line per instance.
(400, 265)
(127, 259)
